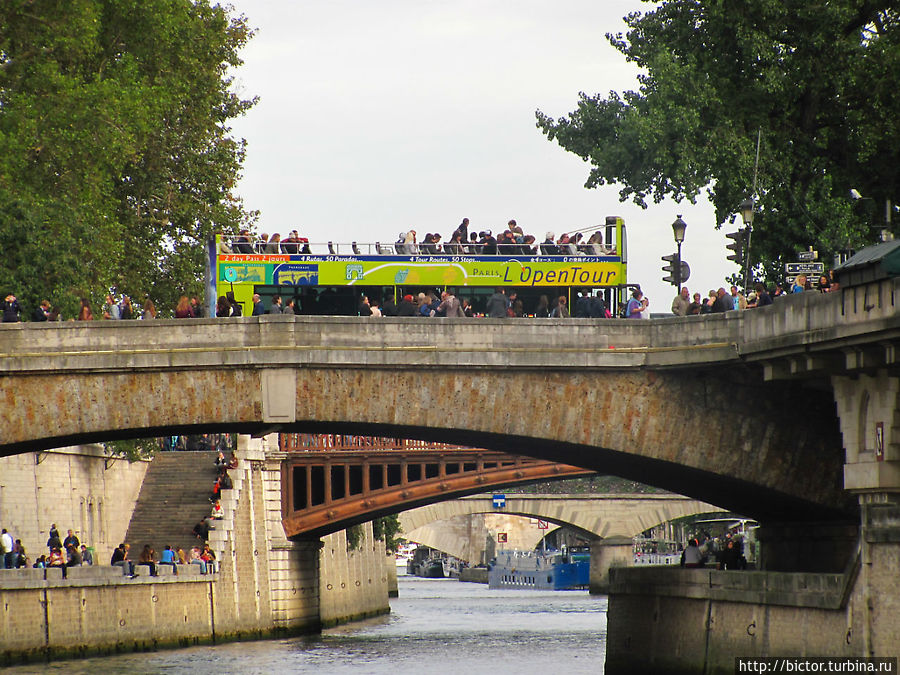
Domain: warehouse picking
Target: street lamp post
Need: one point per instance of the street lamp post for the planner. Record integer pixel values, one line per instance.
(748, 207)
(678, 228)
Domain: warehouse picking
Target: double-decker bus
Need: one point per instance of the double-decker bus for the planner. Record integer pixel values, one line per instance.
(330, 278)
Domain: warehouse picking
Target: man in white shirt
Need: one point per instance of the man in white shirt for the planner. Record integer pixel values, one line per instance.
(6, 548)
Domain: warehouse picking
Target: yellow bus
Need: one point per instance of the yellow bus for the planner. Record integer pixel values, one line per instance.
(330, 278)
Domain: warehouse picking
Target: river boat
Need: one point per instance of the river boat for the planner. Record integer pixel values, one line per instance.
(650, 551)
(404, 556)
(431, 569)
(551, 570)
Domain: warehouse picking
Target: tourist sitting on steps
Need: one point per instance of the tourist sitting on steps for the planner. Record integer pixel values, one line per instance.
(56, 560)
(120, 559)
(148, 558)
(196, 559)
(168, 558)
(74, 556)
(209, 557)
(201, 529)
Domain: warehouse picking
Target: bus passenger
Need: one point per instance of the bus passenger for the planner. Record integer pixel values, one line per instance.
(488, 243)
(455, 245)
(274, 245)
(473, 247)
(410, 247)
(549, 247)
(463, 229)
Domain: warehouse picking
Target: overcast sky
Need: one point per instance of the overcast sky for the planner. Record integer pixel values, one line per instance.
(375, 118)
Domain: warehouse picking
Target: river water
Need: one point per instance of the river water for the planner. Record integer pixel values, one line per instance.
(436, 626)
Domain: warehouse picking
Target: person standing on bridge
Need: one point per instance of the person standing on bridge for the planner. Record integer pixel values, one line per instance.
(276, 305)
(258, 307)
(737, 299)
(111, 309)
(183, 309)
(636, 306)
(450, 305)
(696, 304)
(560, 309)
(723, 302)
(682, 302)
(497, 304)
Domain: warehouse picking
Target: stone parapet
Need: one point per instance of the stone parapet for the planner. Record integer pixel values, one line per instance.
(824, 591)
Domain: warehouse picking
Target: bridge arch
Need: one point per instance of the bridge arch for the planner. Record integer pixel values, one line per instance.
(614, 518)
(772, 450)
(598, 515)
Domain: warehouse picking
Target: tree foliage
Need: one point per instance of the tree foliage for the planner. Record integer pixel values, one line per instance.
(819, 81)
(387, 529)
(116, 162)
(134, 449)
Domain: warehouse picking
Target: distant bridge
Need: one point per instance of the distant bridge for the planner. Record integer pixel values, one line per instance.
(597, 515)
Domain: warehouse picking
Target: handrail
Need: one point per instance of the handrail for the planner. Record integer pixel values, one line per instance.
(357, 248)
(300, 442)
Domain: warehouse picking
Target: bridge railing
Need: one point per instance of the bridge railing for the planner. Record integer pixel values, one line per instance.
(330, 442)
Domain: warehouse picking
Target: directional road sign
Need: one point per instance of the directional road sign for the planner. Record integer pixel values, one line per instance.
(805, 268)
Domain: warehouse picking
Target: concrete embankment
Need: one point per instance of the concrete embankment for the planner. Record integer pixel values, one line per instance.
(477, 575)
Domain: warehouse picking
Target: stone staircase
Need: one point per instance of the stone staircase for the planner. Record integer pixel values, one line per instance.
(174, 497)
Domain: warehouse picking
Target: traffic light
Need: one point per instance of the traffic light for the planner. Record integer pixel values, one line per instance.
(673, 269)
(738, 240)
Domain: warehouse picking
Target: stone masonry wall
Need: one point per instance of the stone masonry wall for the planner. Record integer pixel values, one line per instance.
(100, 614)
(266, 584)
(688, 621)
(73, 487)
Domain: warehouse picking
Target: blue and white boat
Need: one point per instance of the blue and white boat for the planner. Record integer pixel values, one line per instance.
(551, 570)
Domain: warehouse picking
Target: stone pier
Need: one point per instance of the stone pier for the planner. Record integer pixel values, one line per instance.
(827, 589)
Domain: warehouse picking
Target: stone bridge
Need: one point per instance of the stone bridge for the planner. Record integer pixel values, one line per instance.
(600, 516)
(735, 410)
(611, 517)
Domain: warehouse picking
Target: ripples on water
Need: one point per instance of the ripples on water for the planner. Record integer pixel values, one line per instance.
(435, 626)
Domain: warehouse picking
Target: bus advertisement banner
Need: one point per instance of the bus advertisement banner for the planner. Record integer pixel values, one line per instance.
(420, 270)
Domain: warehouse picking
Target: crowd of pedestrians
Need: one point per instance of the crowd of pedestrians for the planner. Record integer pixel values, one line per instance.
(61, 553)
(720, 300)
(511, 241)
(115, 308)
(727, 552)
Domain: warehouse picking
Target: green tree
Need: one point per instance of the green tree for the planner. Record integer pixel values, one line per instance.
(819, 81)
(387, 529)
(116, 162)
